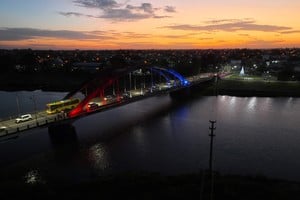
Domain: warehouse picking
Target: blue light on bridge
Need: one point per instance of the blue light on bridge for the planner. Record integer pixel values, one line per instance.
(183, 81)
(186, 83)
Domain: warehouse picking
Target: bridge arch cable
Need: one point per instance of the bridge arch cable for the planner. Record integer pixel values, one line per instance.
(98, 78)
(160, 72)
(96, 86)
(182, 79)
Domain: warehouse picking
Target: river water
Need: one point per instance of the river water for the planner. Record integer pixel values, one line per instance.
(254, 136)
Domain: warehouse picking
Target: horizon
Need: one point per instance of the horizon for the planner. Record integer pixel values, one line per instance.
(147, 25)
(217, 49)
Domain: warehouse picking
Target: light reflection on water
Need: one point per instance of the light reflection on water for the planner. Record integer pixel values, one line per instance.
(97, 155)
(252, 104)
(254, 136)
(33, 177)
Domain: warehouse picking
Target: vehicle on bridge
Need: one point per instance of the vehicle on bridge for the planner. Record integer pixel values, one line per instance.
(126, 95)
(23, 118)
(92, 106)
(108, 99)
(63, 105)
(2, 129)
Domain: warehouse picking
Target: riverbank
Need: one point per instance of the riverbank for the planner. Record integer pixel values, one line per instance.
(251, 88)
(65, 82)
(143, 185)
(258, 88)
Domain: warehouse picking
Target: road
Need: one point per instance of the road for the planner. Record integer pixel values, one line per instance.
(39, 119)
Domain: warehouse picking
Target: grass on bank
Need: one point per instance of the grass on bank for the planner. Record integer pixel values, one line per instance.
(143, 185)
(256, 86)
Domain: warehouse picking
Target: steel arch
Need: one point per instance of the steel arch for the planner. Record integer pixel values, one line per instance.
(102, 81)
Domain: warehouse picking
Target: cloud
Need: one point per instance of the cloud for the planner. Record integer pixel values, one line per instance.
(170, 9)
(100, 4)
(124, 14)
(145, 7)
(15, 34)
(245, 35)
(264, 43)
(111, 9)
(290, 32)
(131, 13)
(220, 21)
(76, 14)
(132, 35)
(207, 38)
(231, 25)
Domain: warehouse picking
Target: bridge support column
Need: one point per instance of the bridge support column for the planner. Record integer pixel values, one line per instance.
(62, 133)
(181, 94)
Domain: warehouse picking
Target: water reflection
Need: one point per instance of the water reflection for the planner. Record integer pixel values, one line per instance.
(33, 177)
(97, 156)
(140, 138)
(231, 101)
(252, 104)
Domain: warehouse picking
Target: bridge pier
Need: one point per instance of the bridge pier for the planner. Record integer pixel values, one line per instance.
(62, 133)
(194, 90)
(181, 94)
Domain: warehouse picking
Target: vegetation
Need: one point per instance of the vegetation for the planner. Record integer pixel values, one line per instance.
(51, 81)
(258, 87)
(144, 185)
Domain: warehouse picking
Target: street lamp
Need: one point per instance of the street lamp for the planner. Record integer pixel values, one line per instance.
(34, 104)
(18, 105)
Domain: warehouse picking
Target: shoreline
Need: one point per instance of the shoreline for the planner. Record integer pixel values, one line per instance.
(244, 88)
(55, 82)
(151, 185)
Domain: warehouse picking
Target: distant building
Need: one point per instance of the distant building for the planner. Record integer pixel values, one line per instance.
(276, 65)
(88, 67)
(236, 63)
(242, 72)
(266, 57)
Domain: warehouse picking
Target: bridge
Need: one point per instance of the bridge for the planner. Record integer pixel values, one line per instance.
(107, 90)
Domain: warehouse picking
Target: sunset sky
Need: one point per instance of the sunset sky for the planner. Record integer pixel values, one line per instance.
(149, 24)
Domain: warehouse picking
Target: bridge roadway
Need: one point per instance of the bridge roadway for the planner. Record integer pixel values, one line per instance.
(10, 129)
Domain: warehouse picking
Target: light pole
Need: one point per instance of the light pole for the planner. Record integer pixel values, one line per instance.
(18, 105)
(211, 135)
(130, 85)
(34, 104)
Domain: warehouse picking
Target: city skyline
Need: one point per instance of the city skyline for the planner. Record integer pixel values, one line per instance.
(136, 24)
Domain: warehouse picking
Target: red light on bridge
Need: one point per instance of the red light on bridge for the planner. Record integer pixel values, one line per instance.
(75, 112)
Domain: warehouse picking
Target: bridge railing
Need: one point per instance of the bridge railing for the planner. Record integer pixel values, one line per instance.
(20, 127)
(13, 117)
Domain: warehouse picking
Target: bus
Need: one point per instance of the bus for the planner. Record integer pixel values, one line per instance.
(63, 105)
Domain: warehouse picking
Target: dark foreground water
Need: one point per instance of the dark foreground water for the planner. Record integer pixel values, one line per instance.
(255, 136)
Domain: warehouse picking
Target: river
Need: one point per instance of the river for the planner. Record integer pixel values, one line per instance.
(254, 136)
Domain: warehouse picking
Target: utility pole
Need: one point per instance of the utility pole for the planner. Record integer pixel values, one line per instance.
(18, 105)
(212, 135)
(114, 91)
(151, 73)
(130, 85)
(34, 103)
(216, 85)
(134, 76)
(125, 84)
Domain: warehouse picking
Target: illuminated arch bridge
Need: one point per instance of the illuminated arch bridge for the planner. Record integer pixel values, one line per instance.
(120, 86)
